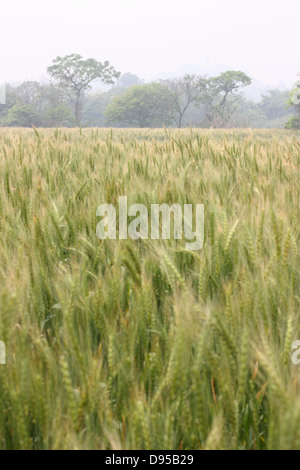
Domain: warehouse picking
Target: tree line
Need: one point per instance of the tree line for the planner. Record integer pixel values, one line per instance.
(67, 99)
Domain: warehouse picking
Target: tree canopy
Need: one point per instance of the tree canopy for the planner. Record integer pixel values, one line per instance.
(219, 94)
(146, 105)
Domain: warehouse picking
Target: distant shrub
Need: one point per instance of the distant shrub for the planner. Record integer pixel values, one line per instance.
(293, 123)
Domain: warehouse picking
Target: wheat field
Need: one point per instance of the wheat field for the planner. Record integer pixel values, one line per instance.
(123, 344)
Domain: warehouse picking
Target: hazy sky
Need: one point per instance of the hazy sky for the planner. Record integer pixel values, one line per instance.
(152, 37)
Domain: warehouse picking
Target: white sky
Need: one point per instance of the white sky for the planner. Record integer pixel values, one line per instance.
(152, 37)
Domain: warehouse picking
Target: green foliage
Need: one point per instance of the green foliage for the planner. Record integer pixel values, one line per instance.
(274, 104)
(140, 344)
(220, 95)
(95, 105)
(128, 79)
(295, 97)
(190, 100)
(20, 115)
(229, 82)
(294, 102)
(146, 105)
(36, 104)
(293, 123)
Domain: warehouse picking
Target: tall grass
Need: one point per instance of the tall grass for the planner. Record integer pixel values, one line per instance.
(141, 344)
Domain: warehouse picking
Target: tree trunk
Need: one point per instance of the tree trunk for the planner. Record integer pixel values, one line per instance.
(180, 121)
(77, 111)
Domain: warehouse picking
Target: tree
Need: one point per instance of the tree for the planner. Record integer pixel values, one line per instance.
(293, 123)
(247, 113)
(59, 116)
(183, 91)
(219, 94)
(73, 77)
(295, 97)
(146, 105)
(20, 115)
(37, 104)
(274, 104)
(294, 102)
(10, 101)
(128, 79)
(95, 105)
(33, 95)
